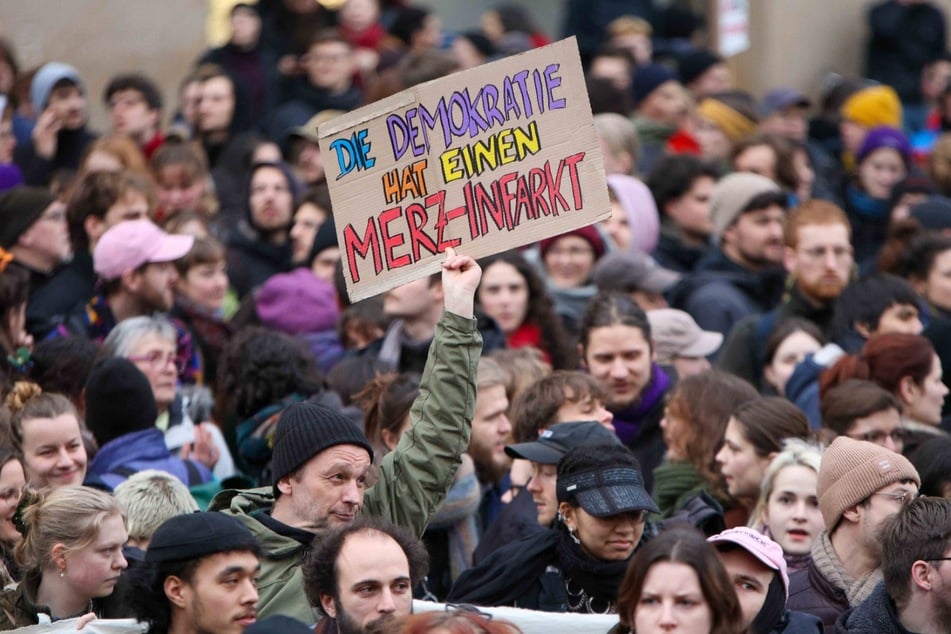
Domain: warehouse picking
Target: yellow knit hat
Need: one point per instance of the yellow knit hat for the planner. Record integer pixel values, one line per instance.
(874, 106)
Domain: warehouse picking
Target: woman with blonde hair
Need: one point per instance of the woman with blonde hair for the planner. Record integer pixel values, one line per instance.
(788, 508)
(71, 557)
(47, 436)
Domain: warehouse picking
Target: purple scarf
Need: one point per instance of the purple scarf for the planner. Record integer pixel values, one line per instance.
(627, 422)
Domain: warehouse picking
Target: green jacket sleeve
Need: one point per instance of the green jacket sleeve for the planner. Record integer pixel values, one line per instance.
(415, 477)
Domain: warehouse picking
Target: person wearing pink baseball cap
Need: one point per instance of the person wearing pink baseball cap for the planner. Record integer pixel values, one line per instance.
(757, 568)
(134, 260)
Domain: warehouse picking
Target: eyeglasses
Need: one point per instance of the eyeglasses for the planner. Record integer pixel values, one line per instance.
(158, 359)
(878, 436)
(902, 498)
(939, 559)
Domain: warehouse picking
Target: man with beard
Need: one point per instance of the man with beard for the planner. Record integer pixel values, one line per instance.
(361, 578)
(260, 246)
(490, 433)
(135, 262)
(744, 275)
(60, 136)
(199, 577)
(321, 460)
(818, 256)
(916, 562)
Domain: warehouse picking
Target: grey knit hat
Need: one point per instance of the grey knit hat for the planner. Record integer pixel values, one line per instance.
(731, 196)
(306, 429)
(46, 78)
(852, 470)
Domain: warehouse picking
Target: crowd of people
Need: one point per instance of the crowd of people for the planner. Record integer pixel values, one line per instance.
(721, 410)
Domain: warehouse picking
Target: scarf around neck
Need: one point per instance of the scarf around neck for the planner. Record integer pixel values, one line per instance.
(829, 566)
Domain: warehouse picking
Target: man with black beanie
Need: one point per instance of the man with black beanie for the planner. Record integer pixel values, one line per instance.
(321, 461)
(200, 576)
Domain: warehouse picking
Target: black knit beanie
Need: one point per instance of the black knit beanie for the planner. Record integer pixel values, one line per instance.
(694, 64)
(306, 429)
(325, 238)
(119, 400)
(20, 207)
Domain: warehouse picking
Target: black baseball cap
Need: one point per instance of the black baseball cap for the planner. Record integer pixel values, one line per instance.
(559, 439)
(606, 491)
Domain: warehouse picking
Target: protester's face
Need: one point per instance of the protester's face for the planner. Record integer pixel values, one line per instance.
(466, 54)
(154, 356)
(741, 466)
(131, 115)
(245, 28)
(569, 262)
(927, 398)
(757, 236)
(672, 601)
(327, 492)
(359, 14)
(667, 104)
(937, 285)
(714, 143)
(689, 366)
(542, 487)
(900, 318)
(716, 79)
(790, 123)
(53, 452)
(68, 103)
(757, 159)
(618, 227)
(615, 69)
(792, 510)
(93, 570)
(822, 260)
(503, 296)
(155, 285)
(179, 189)
(880, 506)
(750, 578)
(584, 407)
(879, 172)
(325, 264)
(620, 357)
(12, 481)
(216, 105)
(490, 433)
(852, 134)
(638, 44)
(190, 101)
(691, 212)
(205, 284)
(48, 237)
(330, 65)
(605, 538)
(373, 584)
(271, 202)
(883, 428)
(412, 300)
(307, 221)
(676, 433)
(222, 595)
(307, 161)
(805, 174)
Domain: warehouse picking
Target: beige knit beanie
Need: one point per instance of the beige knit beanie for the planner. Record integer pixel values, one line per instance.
(852, 470)
(732, 194)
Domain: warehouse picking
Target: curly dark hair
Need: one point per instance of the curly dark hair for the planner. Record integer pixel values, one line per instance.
(320, 565)
(260, 367)
(62, 365)
(541, 310)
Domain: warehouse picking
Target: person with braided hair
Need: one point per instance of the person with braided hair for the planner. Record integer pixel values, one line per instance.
(70, 554)
(47, 435)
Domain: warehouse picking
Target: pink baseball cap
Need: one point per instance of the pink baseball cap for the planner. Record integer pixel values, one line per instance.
(760, 546)
(130, 244)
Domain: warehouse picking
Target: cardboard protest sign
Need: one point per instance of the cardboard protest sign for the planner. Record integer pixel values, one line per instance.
(483, 160)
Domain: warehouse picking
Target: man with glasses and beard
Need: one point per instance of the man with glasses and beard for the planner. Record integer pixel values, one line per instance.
(361, 578)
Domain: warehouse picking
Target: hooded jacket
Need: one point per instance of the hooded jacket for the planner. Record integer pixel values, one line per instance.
(137, 451)
(721, 292)
(414, 477)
